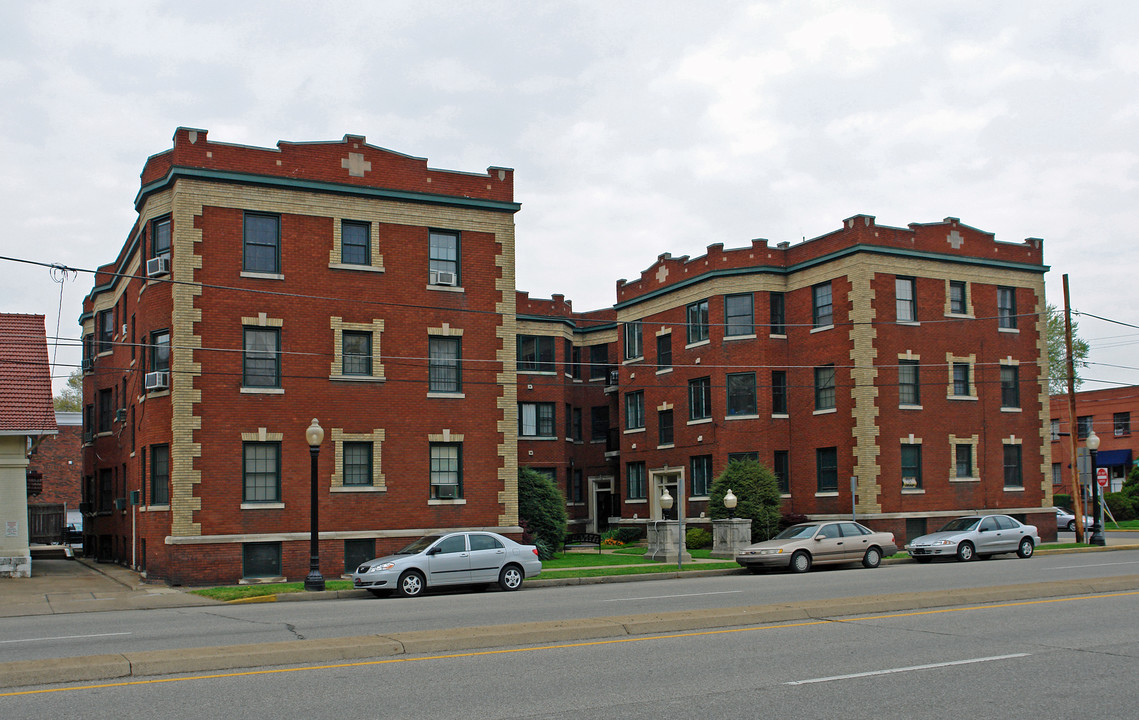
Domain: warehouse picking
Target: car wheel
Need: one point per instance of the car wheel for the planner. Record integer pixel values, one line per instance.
(1025, 548)
(1071, 526)
(410, 584)
(510, 578)
(922, 560)
(872, 558)
(965, 551)
(801, 561)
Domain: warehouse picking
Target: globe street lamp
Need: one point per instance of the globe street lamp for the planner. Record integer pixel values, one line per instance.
(314, 435)
(730, 502)
(666, 503)
(1092, 443)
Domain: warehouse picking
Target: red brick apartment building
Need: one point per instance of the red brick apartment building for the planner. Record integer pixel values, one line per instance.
(260, 288)
(1108, 412)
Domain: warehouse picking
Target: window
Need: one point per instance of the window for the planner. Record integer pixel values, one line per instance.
(1013, 475)
(824, 388)
(634, 344)
(635, 481)
(961, 384)
(699, 398)
(599, 362)
(1121, 421)
(1006, 307)
(575, 491)
(778, 314)
(1083, 426)
(701, 471)
(778, 392)
(536, 353)
(575, 425)
(106, 490)
(739, 315)
(357, 352)
(106, 330)
(576, 363)
(106, 410)
(743, 457)
(911, 465)
(826, 469)
(905, 302)
(358, 552)
(1056, 477)
(1055, 430)
(664, 427)
(355, 243)
(160, 237)
(741, 394)
(443, 257)
(909, 382)
(357, 463)
(963, 460)
(664, 351)
(958, 299)
(635, 410)
(782, 467)
(261, 362)
(262, 244)
(599, 423)
(697, 318)
(261, 559)
(567, 347)
(1010, 386)
(160, 350)
(444, 372)
(261, 471)
(159, 474)
(446, 470)
(536, 419)
(821, 307)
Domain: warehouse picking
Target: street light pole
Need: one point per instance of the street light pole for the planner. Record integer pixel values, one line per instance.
(1097, 528)
(314, 435)
(666, 503)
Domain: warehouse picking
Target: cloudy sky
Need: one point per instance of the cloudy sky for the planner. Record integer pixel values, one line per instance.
(634, 128)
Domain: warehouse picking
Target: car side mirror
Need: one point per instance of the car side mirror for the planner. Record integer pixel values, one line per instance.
(433, 551)
(818, 538)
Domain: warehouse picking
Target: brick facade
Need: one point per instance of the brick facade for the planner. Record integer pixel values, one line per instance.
(1109, 413)
(57, 463)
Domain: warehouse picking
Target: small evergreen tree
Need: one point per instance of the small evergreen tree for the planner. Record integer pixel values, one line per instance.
(541, 511)
(757, 490)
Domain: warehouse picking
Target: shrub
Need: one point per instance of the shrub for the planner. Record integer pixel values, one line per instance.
(624, 535)
(1122, 505)
(696, 538)
(757, 491)
(1062, 500)
(541, 511)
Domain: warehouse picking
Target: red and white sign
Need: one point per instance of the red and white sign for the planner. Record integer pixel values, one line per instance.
(1101, 477)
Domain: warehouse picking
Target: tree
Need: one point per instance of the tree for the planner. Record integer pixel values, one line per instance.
(70, 398)
(1058, 355)
(757, 490)
(541, 511)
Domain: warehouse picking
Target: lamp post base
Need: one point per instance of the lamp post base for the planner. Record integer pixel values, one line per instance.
(314, 581)
(1097, 536)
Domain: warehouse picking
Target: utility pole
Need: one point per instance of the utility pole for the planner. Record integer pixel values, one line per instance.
(1077, 499)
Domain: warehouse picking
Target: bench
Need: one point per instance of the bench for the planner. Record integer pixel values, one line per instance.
(573, 540)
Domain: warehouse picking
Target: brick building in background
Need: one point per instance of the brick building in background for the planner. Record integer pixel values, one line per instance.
(55, 464)
(1109, 413)
(261, 288)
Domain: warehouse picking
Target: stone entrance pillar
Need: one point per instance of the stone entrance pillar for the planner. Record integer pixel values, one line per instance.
(730, 535)
(663, 542)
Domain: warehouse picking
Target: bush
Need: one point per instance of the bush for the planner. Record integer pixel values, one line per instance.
(623, 535)
(696, 538)
(1062, 500)
(541, 512)
(1122, 505)
(757, 491)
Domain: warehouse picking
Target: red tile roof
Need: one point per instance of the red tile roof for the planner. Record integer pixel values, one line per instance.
(25, 376)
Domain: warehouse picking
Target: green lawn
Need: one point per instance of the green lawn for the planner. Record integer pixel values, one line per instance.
(1123, 525)
(241, 592)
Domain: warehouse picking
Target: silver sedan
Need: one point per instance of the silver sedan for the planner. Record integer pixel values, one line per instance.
(976, 536)
(458, 558)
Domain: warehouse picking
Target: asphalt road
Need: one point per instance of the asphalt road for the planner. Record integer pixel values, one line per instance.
(58, 636)
(1064, 657)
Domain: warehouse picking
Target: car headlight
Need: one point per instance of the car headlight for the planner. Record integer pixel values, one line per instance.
(942, 542)
(775, 551)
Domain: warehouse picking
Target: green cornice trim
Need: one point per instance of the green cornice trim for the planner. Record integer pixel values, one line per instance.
(119, 270)
(831, 257)
(227, 176)
(605, 324)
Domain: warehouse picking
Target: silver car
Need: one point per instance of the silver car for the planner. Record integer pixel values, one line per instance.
(458, 558)
(976, 536)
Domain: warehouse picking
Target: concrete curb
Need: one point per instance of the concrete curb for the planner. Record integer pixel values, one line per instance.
(162, 662)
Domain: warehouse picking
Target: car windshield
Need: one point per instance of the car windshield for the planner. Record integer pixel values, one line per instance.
(960, 524)
(419, 545)
(797, 531)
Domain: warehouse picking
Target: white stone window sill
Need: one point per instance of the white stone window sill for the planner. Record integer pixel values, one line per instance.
(636, 501)
(447, 288)
(1013, 488)
(961, 397)
(262, 391)
(780, 416)
(446, 395)
(1011, 331)
(262, 276)
(911, 323)
(353, 266)
(537, 372)
(536, 438)
(154, 394)
(698, 343)
(742, 417)
(964, 479)
(1010, 409)
(730, 338)
(663, 371)
(913, 491)
(632, 360)
(960, 316)
(701, 421)
(633, 431)
(909, 407)
(357, 489)
(822, 328)
(155, 508)
(262, 506)
(358, 378)
(456, 501)
(829, 493)
(778, 336)
(825, 411)
(666, 447)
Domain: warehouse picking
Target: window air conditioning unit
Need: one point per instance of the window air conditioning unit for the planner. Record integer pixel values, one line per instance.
(121, 415)
(120, 503)
(909, 482)
(88, 364)
(442, 277)
(158, 266)
(157, 380)
(445, 492)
